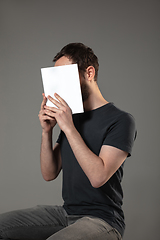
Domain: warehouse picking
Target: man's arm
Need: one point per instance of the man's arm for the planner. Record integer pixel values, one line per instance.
(50, 157)
(98, 169)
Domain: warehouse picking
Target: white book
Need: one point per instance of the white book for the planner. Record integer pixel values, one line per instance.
(63, 80)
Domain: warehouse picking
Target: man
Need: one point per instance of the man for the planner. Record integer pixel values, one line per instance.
(91, 150)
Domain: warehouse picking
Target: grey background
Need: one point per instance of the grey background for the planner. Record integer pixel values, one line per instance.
(125, 35)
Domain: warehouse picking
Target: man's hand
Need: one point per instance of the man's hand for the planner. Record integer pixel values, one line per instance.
(47, 122)
(62, 113)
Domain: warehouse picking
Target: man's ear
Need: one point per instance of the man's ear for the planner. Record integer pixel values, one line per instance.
(90, 71)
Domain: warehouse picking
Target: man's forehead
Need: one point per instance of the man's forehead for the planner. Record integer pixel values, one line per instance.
(63, 61)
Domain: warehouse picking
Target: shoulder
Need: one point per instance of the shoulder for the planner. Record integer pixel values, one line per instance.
(122, 116)
(122, 130)
(123, 124)
(127, 119)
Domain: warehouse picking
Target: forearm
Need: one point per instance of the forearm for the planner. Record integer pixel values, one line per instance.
(92, 165)
(49, 165)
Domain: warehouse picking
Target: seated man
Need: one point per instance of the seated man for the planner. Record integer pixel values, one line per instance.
(91, 150)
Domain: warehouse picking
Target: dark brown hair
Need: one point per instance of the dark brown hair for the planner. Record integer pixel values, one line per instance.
(80, 54)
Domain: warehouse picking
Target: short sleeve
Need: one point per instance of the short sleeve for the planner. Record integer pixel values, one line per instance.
(122, 133)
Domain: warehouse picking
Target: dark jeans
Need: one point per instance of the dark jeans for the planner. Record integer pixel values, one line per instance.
(52, 223)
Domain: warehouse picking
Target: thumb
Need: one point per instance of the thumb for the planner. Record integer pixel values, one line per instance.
(44, 101)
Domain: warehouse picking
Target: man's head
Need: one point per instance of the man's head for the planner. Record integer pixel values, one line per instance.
(80, 54)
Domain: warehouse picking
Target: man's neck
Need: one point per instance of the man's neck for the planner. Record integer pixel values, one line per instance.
(95, 100)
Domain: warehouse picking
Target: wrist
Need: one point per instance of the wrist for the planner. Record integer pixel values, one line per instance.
(46, 133)
(70, 132)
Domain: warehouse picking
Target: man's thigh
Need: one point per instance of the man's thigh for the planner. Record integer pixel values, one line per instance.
(87, 228)
(33, 223)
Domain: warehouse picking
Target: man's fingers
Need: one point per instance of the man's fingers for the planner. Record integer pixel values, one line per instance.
(41, 113)
(60, 99)
(53, 109)
(46, 117)
(55, 102)
(51, 113)
(44, 101)
(61, 104)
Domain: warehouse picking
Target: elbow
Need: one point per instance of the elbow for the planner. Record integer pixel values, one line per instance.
(48, 178)
(97, 183)
(49, 175)
(98, 180)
